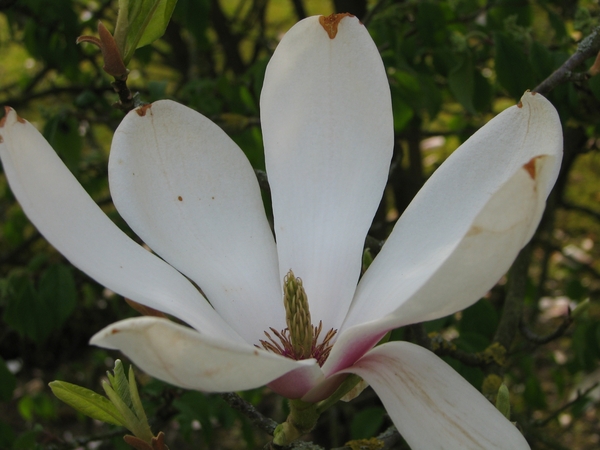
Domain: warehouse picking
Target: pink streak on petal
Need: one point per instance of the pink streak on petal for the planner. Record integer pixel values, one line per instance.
(352, 351)
(298, 382)
(324, 389)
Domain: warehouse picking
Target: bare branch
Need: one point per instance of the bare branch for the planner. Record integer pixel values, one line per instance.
(588, 47)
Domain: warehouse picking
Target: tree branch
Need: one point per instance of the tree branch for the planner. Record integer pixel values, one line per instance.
(588, 47)
(540, 340)
(513, 304)
(238, 403)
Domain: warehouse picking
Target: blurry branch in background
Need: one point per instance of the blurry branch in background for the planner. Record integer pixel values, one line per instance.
(540, 340)
(247, 409)
(580, 395)
(572, 206)
(587, 48)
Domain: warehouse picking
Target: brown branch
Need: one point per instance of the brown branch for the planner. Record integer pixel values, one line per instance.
(299, 9)
(389, 438)
(540, 340)
(587, 48)
(127, 101)
(580, 208)
(227, 38)
(238, 403)
(580, 395)
(513, 304)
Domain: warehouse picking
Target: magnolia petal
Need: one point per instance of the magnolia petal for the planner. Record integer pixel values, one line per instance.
(490, 192)
(69, 219)
(190, 193)
(298, 382)
(185, 358)
(328, 133)
(431, 405)
(467, 269)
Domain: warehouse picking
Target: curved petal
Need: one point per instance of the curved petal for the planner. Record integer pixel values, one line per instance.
(431, 405)
(327, 123)
(463, 229)
(467, 270)
(190, 193)
(297, 383)
(70, 220)
(185, 358)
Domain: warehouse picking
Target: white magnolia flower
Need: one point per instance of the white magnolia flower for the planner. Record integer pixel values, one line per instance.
(190, 193)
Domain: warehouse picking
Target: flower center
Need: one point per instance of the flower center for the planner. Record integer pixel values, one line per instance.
(300, 340)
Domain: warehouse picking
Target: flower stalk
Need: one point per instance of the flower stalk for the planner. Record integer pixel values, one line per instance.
(302, 419)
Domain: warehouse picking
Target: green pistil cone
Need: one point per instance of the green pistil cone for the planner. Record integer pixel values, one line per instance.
(297, 316)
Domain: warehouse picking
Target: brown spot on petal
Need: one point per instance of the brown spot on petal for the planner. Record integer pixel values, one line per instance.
(180, 198)
(1, 139)
(330, 23)
(474, 231)
(255, 352)
(530, 167)
(144, 310)
(141, 111)
(114, 331)
(520, 104)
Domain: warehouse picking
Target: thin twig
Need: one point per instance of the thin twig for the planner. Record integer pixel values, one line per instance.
(540, 340)
(580, 208)
(238, 403)
(588, 47)
(579, 396)
(515, 294)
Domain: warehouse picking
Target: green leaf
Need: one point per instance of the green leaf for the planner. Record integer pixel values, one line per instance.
(130, 421)
(57, 290)
(7, 435)
(25, 312)
(462, 84)
(158, 22)
(119, 383)
(513, 68)
(141, 22)
(138, 409)
(594, 85)
(62, 133)
(87, 402)
(196, 406)
(367, 422)
(481, 318)
(482, 99)
(8, 382)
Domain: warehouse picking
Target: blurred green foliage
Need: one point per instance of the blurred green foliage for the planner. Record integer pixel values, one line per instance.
(451, 64)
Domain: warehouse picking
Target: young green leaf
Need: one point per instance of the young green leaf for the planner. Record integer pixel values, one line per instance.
(138, 409)
(141, 22)
(119, 383)
(87, 402)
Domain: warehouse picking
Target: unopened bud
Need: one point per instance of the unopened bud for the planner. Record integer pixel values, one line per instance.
(503, 401)
(580, 309)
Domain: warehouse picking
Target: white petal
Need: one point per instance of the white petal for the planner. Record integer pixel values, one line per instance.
(185, 358)
(431, 405)
(190, 193)
(297, 383)
(70, 220)
(328, 133)
(465, 227)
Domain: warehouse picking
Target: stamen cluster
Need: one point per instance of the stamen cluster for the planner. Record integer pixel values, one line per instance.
(282, 344)
(300, 339)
